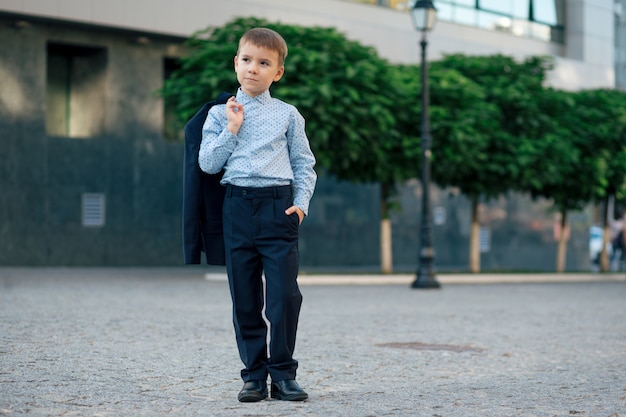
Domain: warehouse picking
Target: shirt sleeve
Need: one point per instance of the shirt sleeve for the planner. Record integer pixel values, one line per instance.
(302, 162)
(218, 142)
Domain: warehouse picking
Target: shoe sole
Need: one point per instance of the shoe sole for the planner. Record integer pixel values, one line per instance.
(251, 398)
(293, 397)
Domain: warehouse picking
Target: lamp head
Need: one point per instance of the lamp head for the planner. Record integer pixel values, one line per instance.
(424, 15)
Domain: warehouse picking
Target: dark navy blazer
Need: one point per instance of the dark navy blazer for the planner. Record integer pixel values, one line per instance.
(203, 197)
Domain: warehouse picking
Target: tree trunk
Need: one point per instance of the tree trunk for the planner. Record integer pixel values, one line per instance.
(606, 237)
(624, 228)
(474, 247)
(562, 246)
(386, 252)
(622, 259)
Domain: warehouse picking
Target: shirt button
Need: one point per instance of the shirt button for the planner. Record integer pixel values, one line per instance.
(245, 192)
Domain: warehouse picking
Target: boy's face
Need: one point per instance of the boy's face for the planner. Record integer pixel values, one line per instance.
(257, 68)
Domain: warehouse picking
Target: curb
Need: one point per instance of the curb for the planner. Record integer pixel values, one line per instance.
(444, 279)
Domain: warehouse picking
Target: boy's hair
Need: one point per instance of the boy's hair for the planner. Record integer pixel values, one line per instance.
(265, 38)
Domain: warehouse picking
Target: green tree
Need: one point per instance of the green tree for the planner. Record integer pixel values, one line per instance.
(558, 163)
(481, 105)
(343, 89)
(574, 153)
(601, 121)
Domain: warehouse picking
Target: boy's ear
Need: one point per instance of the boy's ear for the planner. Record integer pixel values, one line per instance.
(279, 73)
(235, 61)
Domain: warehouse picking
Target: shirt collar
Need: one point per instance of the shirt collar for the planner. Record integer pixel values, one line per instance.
(243, 98)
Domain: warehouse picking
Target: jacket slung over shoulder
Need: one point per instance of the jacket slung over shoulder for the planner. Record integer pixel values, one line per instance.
(203, 196)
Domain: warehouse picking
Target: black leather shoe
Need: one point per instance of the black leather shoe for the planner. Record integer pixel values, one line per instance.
(253, 391)
(288, 390)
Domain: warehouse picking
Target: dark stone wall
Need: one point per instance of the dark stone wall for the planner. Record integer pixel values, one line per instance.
(43, 177)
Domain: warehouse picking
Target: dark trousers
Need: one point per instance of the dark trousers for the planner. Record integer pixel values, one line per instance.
(259, 237)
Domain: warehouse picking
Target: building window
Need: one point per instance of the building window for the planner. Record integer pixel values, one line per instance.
(172, 127)
(93, 210)
(538, 19)
(394, 4)
(620, 44)
(75, 90)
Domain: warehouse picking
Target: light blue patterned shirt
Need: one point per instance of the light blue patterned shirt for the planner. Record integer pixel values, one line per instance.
(270, 149)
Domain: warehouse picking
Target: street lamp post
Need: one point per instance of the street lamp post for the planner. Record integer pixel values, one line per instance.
(424, 14)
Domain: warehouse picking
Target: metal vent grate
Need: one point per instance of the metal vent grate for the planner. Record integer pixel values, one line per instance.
(93, 210)
(485, 239)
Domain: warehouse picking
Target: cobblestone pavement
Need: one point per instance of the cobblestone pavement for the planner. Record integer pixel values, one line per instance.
(159, 342)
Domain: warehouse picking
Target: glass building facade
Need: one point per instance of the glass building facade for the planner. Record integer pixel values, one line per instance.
(537, 19)
(620, 44)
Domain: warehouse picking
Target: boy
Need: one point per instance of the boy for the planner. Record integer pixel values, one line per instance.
(261, 144)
